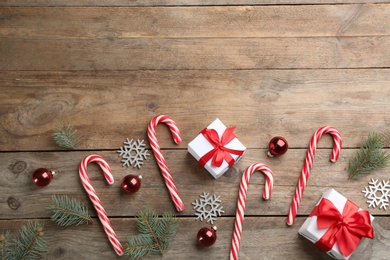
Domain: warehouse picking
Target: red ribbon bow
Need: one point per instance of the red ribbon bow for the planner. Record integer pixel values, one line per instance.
(346, 229)
(220, 152)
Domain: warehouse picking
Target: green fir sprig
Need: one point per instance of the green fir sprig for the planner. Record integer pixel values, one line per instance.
(155, 235)
(66, 137)
(4, 239)
(68, 211)
(369, 158)
(29, 245)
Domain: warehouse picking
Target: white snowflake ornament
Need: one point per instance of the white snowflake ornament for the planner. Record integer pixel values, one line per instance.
(378, 194)
(208, 207)
(133, 153)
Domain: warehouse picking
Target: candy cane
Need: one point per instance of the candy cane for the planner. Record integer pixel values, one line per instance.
(95, 200)
(269, 182)
(160, 159)
(308, 164)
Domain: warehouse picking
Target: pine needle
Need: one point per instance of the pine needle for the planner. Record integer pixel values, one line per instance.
(4, 239)
(141, 245)
(169, 227)
(66, 137)
(29, 245)
(155, 235)
(68, 211)
(369, 158)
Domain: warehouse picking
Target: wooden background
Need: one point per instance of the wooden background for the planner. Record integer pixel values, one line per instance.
(268, 67)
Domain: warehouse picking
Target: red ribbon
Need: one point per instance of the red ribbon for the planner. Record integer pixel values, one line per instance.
(219, 153)
(346, 229)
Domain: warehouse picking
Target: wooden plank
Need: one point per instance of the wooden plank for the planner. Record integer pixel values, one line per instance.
(273, 68)
(267, 235)
(105, 3)
(21, 199)
(213, 53)
(195, 22)
(119, 104)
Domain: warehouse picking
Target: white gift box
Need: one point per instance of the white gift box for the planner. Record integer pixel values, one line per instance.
(311, 232)
(201, 146)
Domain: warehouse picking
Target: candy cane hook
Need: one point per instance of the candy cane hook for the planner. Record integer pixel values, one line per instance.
(95, 200)
(160, 159)
(308, 164)
(269, 182)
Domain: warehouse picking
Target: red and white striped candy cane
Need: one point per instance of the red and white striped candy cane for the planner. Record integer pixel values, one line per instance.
(95, 200)
(269, 182)
(160, 159)
(308, 164)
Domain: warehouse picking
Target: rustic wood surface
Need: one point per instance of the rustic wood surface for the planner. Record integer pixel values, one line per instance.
(268, 67)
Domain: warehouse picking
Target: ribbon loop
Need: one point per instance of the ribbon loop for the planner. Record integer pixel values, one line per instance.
(220, 152)
(346, 228)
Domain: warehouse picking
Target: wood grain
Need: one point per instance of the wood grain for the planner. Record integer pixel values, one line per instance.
(22, 197)
(195, 22)
(90, 242)
(268, 67)
(104, 3)
(108, 106)
(201, 54)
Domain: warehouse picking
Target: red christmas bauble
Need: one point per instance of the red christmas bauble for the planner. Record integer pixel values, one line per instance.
(42, 177)
(277, 146)
(131, 183)
(207, 236)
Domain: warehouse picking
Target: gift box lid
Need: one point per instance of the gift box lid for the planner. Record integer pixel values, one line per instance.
(200, 146)
(309, 228)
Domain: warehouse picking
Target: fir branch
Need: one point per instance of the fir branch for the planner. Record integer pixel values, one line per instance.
(68, 211)
(169, 226)
(4, 244)
(369, 158)
(141, 245)
(66, 137)
(29, 245)
(155, 235)
(150, 222)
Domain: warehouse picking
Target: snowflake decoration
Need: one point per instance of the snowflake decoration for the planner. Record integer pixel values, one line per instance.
(378, 194)
(208, 207)
(133, 153)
